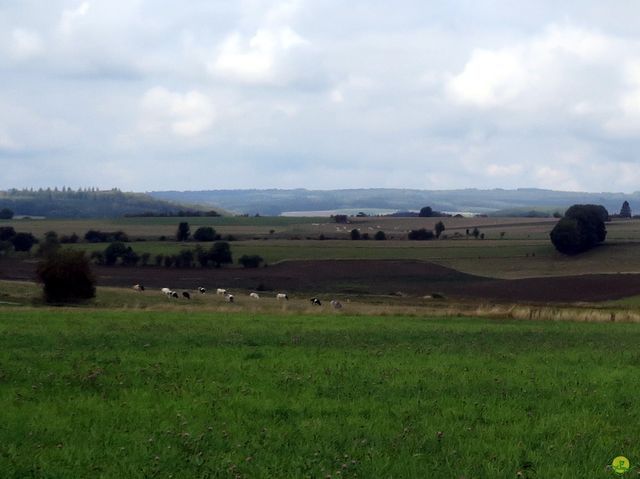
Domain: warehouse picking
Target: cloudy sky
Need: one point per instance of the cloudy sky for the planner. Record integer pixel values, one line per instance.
(204, 94)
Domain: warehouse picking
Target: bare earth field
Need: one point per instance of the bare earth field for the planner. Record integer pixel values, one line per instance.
(363, 277)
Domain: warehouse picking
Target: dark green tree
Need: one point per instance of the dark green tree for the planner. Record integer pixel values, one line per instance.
(183, 232)
(439, 228)
(625, 211)
(6, 214)
(380, 236)
(220, 253)
(426, 212)
(421, 234)
(67, 277)
(23, 241)
(582, 228)
(6, 233)
(355, 234)
(475, 232)
(113, 252)
(205, 233)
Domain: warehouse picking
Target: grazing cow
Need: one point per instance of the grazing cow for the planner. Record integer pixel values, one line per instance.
(315, 302)
(185, 294)
(282, 296)
(174, 294)
(138, 287)
(221, 291)
(336, 304)
(228, 297)
(166, 291)
(254, 295)
(202, 290)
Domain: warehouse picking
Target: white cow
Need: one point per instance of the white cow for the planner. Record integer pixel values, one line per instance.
(138, 287)
(254, 295)
(166, 291)
(282, 296)
(228, 298)
(221, 291)
(336, 304)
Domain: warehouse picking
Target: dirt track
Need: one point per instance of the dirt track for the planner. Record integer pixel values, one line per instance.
(362, 277)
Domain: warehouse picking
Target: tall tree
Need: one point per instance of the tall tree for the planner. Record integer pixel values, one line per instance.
(183, 232)
(625, 211)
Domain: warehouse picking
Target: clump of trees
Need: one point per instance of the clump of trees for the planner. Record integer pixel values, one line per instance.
(67, 277)
(96, 236)
(205, 233)
(581, 228)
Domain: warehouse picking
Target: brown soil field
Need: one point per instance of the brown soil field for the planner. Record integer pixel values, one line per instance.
(362, 277)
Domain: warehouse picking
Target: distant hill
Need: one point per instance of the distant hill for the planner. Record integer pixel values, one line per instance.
(519, 201)
(87, 203)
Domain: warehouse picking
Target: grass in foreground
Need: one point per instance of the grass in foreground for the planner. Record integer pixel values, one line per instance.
(89, 393)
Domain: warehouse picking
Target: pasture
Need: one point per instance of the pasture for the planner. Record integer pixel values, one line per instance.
(184, 394)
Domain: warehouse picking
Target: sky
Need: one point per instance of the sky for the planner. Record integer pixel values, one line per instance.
(164, 95)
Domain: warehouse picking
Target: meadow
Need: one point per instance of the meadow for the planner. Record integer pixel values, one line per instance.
(188, 394)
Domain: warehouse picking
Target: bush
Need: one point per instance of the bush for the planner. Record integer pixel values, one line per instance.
(6, 214)
(73, 238)
(421, 235)
(67, 277)
(250, 261)
(205, 233)
(426, 212)
(23, 241)
(95, 236)
(355, 234)
(115, 250)
(380, 236)
(341, 219)
(439, 228)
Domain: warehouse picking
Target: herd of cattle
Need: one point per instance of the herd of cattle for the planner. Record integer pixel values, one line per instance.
(229, 298)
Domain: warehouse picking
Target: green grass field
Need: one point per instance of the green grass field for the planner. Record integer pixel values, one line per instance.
(90, 393)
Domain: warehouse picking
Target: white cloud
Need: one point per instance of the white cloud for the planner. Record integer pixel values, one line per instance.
(504, 170)
(531, 73)
(182, 114)
(70, 17)
(25, 44)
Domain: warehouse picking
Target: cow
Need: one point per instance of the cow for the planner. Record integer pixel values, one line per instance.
(202, 290)
(254, 295)
(282, 296)
(315, 302)
(166, 291)
(174, 294)
(138, 287)
(186, 295)
(228, 298)
(221, 291)
(336, 304)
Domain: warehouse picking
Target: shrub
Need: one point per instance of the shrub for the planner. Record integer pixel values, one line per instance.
(67, 277)
(115, 250)
(95, 236)
(23, 241)
(439, 228)
(380, 236)
(421, 235)
(6, 214)
(426, 212)
(205, 233)
(355, 234)
(250, 261)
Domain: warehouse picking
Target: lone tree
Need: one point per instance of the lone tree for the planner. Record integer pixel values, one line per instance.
(6, 214)
(220, 253)
(380, 236)
(67, 277)
(439, 228)
(581, 228)
(426, 212)
(183, 232)
(23, 241)
(625, 211)
(355, 234)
